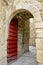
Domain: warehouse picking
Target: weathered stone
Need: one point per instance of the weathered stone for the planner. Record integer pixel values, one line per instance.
(39, 44)
(39, 33)
(33, 7)
(40, 56)
(20, 45)
(39, 25)
(32, 42)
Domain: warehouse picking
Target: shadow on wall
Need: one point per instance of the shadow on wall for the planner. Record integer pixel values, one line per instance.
(32, 33)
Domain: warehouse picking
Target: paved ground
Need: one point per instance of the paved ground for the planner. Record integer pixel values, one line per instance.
(28, 58)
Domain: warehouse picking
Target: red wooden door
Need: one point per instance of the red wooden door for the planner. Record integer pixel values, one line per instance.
(12, 40)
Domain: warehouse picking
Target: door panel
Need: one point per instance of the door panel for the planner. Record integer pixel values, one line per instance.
(12, 40)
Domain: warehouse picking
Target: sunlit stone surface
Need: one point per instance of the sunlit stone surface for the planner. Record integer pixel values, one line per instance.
(28, 58)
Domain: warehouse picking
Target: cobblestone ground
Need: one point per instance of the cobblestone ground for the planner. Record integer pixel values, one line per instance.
(28, 58)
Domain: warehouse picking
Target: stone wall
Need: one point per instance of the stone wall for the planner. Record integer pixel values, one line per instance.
(39, 42)
(20, 39)
(23, 37)
(2, 37)
(32, 32)
(7, 11)
(26, 36)
(42, 11)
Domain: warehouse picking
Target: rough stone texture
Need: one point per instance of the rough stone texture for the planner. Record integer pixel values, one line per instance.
(42, 11)
(2, 44)
(20, 45)
(40, 56)
(23, 37)
(39, 25)
(39, 44)
(26, 35)
(34, 7)
(32, 32)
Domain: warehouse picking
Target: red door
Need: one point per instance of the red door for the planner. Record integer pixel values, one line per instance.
(12, 40)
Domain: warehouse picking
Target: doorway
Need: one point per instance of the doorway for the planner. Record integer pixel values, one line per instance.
(12, 40)
(17, 48)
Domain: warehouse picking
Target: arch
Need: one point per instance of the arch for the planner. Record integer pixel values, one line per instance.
(23, 6)
(14, 29)
(18, 11)
(20, 7)
(26, 6)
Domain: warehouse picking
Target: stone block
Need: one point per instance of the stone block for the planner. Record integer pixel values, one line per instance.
(39, 35)
(39, 31)
(32, 41)
(39, 44)
(20, 50)
(39, 25)
(3, 61)
(40, 56)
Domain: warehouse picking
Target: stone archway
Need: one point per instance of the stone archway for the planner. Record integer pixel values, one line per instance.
(30, 7)
(22, 15)
(10, 14)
